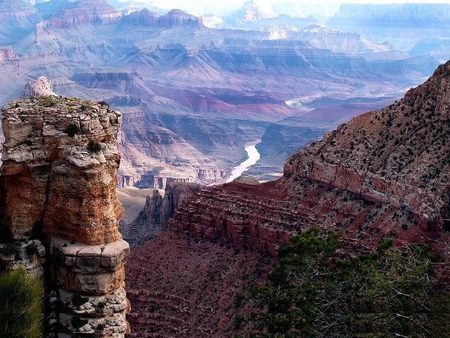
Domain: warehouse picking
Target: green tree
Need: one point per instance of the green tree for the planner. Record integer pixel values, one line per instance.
(317, 290)
(21, 308)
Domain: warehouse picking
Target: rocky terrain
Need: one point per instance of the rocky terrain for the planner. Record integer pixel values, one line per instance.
(59, 210)
(383, 174)
(154, 217)
(193, 96)
(187, 288)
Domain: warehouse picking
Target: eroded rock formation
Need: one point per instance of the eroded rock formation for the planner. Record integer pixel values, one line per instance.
(40, 87)
(157, 211)
(60, 161)
(383, 175)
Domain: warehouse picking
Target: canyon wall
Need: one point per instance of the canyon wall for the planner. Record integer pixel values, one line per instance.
(385, 173)
(60, 214)
(397, 155)
(158, 210)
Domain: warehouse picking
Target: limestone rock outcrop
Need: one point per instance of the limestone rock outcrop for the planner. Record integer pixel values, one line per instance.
(59, 174)
(40, 87)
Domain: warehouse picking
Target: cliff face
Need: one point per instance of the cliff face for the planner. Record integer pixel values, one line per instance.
(157, 211)
(183, 288)
(397, 155)
(384, 173)
(60, 161)
(69, 14)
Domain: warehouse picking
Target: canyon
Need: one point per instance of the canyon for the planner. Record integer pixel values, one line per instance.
(60, 214)
(196, 249)
(384, 174)
(193, 96)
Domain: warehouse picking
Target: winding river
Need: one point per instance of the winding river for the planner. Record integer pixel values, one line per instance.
(253, 157)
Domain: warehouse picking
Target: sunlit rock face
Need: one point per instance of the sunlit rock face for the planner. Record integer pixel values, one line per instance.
(40, 87)
(59, 173)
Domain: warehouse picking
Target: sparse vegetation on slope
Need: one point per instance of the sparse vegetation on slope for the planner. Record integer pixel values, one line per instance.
(319, 290)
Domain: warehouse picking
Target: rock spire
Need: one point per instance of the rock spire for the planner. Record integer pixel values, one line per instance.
(58, 179)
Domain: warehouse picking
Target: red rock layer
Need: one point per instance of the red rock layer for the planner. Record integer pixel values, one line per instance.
(181, 287)
(384, 174)
(265, 216)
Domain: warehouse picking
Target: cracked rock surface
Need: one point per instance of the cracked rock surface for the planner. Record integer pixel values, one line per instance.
(58, 183)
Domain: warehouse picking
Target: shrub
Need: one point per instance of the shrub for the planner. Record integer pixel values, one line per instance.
(312, 293)
(48, 102)
(21, 310)
(86, 105)
(72, 130)
(94, 147)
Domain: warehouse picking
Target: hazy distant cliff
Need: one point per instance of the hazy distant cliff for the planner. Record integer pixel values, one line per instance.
(192, 96)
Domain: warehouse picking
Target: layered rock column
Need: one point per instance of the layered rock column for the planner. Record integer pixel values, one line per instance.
(59, 173)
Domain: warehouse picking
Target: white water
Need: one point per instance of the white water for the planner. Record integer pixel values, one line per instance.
(253, 157)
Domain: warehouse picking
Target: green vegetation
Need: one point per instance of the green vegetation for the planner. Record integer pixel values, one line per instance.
(85, 105)
(94, 147)
(21, 310)
(318, 290)
(48, 101)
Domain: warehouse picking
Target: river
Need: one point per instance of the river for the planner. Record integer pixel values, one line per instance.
(253, 157)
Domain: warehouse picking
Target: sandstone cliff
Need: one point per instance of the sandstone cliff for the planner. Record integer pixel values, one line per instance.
(74, 13)
(58, 181)
(174, 18)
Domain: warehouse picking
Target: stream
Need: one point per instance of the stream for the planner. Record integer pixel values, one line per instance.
(253, 157)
